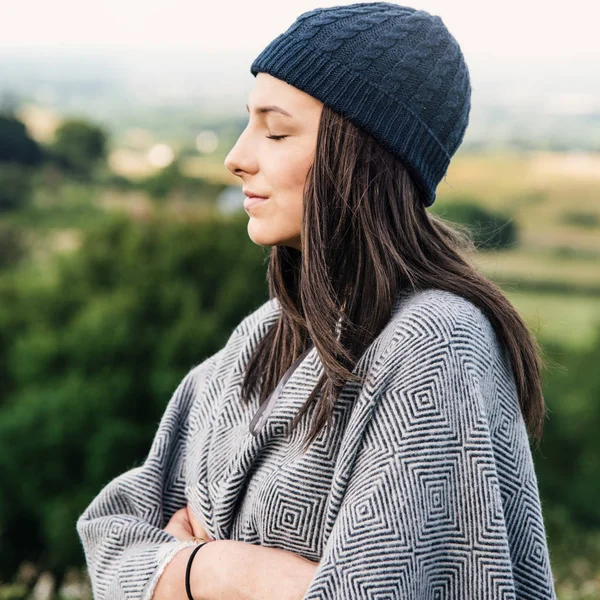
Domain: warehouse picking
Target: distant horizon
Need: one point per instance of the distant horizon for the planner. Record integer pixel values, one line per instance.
(533, 71)
(114, 50)
(516, 29)
(111, 51)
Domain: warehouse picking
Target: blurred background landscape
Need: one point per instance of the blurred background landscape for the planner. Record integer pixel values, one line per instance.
(125, 258)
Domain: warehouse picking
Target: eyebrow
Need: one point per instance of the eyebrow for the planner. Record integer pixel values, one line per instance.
(270, 108)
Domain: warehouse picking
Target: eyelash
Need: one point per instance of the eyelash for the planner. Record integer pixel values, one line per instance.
(276, 137)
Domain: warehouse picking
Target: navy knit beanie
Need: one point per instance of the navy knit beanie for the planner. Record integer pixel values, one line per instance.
(395, 71)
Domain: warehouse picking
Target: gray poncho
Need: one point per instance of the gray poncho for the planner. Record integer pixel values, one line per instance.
(423, 489)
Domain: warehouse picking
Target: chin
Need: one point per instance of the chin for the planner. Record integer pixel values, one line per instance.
(263, 237)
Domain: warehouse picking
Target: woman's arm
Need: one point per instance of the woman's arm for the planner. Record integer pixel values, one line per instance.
(230, 569)
(236, 571)
(121, 529)
(171, 585)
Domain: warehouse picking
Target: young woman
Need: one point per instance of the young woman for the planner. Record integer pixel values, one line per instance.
(364, 433)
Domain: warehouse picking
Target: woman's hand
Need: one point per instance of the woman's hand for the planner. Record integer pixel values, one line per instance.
(232, 569)
(185, 526)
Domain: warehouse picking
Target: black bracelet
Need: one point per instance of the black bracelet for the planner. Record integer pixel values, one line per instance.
(189, 569)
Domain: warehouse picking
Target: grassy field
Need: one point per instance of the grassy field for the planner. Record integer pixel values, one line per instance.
(553, 275)
(569, 319)
(541, 191)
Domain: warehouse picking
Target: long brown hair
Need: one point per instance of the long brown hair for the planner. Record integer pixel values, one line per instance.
(366, 235)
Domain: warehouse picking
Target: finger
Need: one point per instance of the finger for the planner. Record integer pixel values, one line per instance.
(195, 523)
(179, 522)
(182, 513)
(175, 530)
(184, 522)
(180, 531)
(197, 527)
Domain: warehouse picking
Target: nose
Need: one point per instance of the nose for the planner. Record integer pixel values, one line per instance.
(240, 159)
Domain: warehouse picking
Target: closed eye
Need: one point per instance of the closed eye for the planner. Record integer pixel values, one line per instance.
(276, 137)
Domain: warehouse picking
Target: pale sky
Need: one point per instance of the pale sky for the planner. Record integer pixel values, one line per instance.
(495, 28)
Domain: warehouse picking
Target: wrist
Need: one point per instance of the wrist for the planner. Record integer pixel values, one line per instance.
(171, 583)
(201, 571)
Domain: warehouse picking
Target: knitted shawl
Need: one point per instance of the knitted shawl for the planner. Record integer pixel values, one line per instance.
(424, 488)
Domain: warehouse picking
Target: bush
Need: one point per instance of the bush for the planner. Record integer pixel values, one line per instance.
(12, 246)
(490, 230)
(569, 462)
(91, 353)
(171, 180)
(16, 186)
(79, 146)
(588, 220)
(16, 145)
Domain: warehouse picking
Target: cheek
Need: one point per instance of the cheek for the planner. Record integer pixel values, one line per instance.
(291, 197)
(288, 163)
(289, 178)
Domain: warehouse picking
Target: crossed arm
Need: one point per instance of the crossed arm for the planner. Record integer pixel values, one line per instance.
(231, 569)
(124, 543)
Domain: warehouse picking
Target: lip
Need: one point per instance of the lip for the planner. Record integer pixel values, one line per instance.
(252, 200)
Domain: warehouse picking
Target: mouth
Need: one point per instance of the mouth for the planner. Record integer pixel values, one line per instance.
(251, 201)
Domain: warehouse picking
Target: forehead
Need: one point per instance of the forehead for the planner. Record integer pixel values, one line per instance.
(271, 90)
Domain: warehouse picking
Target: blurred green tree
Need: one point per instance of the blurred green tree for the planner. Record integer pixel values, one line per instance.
(79, 146)
(569, 463)
(16, 186)
(161, 183)
(490, 230)
(91, 352)
(16, 145)
(12, 246)
(171, 179)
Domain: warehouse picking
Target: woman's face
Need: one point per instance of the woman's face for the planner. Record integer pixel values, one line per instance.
(276, 168)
